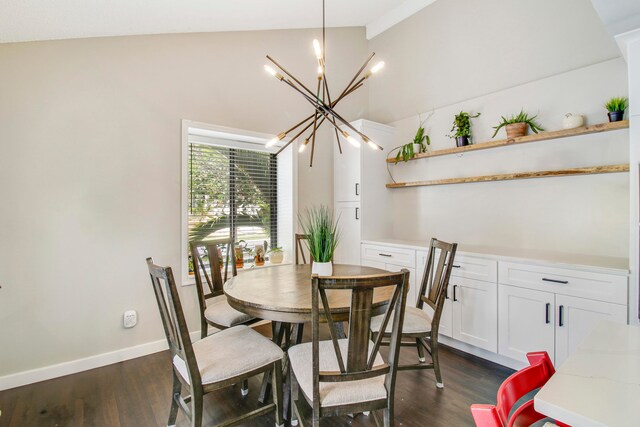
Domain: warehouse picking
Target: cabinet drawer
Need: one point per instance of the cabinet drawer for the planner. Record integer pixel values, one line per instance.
(466, 266)
(391, 255)
(564, 281)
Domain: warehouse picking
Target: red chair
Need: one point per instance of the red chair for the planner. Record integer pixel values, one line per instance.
(512, 390)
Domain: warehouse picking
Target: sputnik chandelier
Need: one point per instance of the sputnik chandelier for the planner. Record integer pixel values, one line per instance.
(323, 104)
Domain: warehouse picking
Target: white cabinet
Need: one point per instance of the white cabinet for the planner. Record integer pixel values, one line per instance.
(527, 322)
(348, 249)
(475, 312)
(576, 317)
(346, 173)
(411, 293)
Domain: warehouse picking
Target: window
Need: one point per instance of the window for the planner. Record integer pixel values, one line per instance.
(232, 186)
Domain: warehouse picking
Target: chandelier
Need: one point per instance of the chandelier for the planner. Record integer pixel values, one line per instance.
(322, 102)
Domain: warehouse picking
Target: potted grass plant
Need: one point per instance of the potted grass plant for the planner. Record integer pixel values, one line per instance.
(616, 107)
(462, 128)
(516, 125)
(323, 236)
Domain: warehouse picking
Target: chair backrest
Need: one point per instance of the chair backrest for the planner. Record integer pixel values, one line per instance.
(513, 389)
(210, 284)
(435, 280)
(300, 248)
(360, 354)
(175, 325)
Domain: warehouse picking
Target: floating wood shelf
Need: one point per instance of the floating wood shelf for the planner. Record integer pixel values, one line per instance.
(592, 170)
(542, 136)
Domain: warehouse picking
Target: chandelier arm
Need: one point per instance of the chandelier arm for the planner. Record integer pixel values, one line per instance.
(315, 128)
(290, 75)
(366, 62)
(295, 137)
(338, 140)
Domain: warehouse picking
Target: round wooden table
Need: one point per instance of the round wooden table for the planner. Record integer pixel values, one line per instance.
(283, 293)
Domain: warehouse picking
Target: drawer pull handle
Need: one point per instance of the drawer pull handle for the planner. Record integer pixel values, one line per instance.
(455, 297)
(357, 211)
(548, 313)
(455, 266)
(564, 282)
(387, 255)
(561, 316)
(357, 189)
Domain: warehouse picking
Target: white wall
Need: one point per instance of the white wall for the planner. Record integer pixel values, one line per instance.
(547, 57)
(90, 132)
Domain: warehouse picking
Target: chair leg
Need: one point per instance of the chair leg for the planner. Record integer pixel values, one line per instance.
(175, 393)
(204, 329)
(421, 357)
(245, 387)
(196, 408)
(436, 362)
(294, 398)
(277, 392)
(388, 417)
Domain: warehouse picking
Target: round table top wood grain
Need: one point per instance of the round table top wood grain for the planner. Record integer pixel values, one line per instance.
(283, 293)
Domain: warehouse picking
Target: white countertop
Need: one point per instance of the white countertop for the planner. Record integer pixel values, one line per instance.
(610, 265)
(599, 384)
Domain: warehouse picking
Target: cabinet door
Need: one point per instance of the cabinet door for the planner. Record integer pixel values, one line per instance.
(576, 317)
(411, 293)
(526, 322)
(348, 249)
(475, 312)
(346, 173)
(446, 318)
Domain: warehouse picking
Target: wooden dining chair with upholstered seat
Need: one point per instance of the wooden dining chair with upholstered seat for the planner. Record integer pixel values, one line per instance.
(214, 309)
(421, 323)
(217, 361)
(346, 376)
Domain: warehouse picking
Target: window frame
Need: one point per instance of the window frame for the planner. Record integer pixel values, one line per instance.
(233, 138)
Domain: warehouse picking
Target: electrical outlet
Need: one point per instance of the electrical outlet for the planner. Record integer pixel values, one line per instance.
(130, 318)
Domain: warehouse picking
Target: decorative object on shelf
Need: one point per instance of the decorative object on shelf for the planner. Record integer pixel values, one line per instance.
(239, 250)
(462, 128)
(323, 236)
(571, 121)
(408, 151)
(516, 125)
(258, 257)
(322, 102)
(616, 107)
(276, 256)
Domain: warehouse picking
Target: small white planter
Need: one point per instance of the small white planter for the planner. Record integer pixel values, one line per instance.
(323, 269)
(276, 257)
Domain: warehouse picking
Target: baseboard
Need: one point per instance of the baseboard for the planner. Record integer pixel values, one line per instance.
(74, 366)
(483, 354)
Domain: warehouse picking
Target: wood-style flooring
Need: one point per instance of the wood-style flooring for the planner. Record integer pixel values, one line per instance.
(137, 393)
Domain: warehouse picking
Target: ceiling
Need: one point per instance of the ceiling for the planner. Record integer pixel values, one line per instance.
(29, 20)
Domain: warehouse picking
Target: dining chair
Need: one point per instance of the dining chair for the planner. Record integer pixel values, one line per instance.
(348, 375)
(421, 323)
(512, 390)
(217, 361)
(214, 308)
(300, 248)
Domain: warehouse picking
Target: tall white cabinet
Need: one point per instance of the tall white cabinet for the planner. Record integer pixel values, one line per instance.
(354, 185)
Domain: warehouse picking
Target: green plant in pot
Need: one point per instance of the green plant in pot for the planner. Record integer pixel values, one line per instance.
(461, 129)
(517, 124)
(323, 236)
(408, 151)
(616, 107)
(276, 255)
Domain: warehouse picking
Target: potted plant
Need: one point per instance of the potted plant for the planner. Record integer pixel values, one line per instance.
(462, 128)
(408, 151)
(322, 238)
(616, 108)
(276, 255)
(516, 125)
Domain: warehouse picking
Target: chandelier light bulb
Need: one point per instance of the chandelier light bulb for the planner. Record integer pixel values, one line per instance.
(373, 145)
(275, 140)
(320, 70)
(273, 72)
(377, 67)
(351, 140)
(303, 146)
(316, 49)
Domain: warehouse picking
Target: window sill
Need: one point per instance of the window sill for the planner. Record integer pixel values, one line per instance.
(247, 267)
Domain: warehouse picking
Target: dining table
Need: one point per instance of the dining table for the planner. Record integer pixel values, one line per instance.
(599, 384)
(282, 294)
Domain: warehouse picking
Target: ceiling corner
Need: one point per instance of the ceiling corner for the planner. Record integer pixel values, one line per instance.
(395, 16)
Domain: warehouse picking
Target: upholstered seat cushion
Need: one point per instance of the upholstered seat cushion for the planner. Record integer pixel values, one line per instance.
(334, 393)
(219, 311)
(229, 353)
(416, 321)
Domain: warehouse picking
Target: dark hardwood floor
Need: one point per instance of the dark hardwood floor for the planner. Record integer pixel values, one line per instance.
(137, 393)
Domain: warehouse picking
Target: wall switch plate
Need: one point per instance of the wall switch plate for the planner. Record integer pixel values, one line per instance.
(130, 318)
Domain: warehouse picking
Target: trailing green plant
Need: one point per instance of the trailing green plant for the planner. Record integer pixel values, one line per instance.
(462, 125)
(322, 232)
(521, 117)
(407, 151)
(616, 104)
